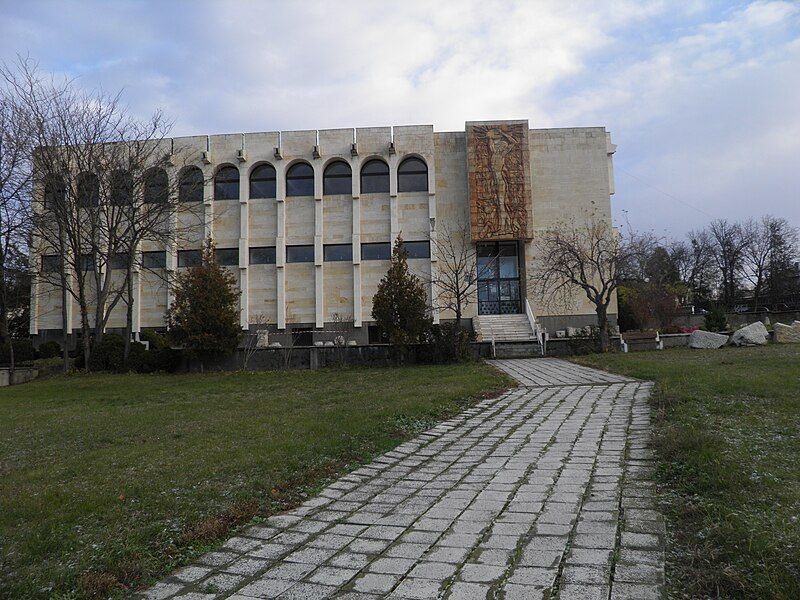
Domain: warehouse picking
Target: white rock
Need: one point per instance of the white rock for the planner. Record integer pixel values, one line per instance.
(754, 334)
(262, 338)
(787, 334)
(707, 339)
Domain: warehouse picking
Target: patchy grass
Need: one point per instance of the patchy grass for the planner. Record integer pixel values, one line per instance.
(727, 433)
(107, 481)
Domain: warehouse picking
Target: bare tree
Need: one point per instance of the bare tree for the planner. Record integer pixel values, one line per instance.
(15, 184)
(94, 200)
(694, 259)
(728, 243)
(252, 340)
(767, 239)
(589, 258)
(456, 276)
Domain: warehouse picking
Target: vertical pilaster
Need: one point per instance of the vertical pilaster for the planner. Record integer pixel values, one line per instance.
(394, 216)
(244, 244)
(431, 161)
(280, 244)
(208, 204)
(35, 256)
(319, 300)
(357, 306)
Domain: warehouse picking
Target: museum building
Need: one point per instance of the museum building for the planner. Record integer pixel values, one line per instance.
(306, 221)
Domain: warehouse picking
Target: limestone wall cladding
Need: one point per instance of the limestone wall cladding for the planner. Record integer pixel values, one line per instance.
(262, 293)
(569, 174)
(300, 302)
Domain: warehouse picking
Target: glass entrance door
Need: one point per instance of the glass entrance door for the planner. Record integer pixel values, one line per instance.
(498, 278)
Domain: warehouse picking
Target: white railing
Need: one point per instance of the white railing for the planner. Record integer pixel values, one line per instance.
(538, 332)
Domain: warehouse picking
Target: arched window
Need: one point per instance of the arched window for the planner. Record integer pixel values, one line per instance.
(226, 184)
(190, 188)
(412, 175)
(54, 193)
(121, 188)
(337, 179)
(374, 177)
(300, 180)
(262, 182)
(88, 189)
(156, 186)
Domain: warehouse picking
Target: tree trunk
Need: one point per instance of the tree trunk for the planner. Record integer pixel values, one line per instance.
(128, 317)
(602, 324)
(64, 332)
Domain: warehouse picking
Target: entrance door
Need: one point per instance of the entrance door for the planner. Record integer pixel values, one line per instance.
(498, 278)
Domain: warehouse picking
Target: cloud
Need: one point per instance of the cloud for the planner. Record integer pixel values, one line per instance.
(701, 97)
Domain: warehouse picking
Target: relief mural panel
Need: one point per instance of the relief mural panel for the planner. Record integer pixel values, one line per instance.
(498, 169)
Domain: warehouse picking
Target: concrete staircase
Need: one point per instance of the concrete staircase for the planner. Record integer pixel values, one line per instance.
(503, 328)
(512, 335)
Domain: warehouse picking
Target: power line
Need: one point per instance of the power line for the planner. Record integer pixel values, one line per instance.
(668, 195)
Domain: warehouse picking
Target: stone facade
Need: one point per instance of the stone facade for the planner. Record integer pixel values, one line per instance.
(566, 173)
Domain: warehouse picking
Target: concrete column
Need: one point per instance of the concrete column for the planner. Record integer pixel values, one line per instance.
(244, 244)
(430, 160)
(355, 164)
(208, 205)
(33, 326)
(319, 300)
(280, 244)
(137, 301)
(394, 216)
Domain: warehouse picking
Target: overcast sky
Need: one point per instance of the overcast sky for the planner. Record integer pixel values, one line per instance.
(703, 98)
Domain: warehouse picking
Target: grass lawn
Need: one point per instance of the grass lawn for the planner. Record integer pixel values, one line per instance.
(728, 439)
(111, 480)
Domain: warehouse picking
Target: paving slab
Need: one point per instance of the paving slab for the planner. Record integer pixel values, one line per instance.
(529, 495)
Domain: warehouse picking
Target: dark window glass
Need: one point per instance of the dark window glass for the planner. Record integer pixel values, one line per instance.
(418, 249)
(154, 260)
(156, 186)
(121, 184)
(337, 252)
(118, 261)
(262, 256)
(374, 177)
(191, 186)
(300, 180)
(412, 176)
(262, 182)
(54, 193)
(87, 262)
(377, 335)
(337, 179)
(226, 184)
(88, 189)
(376, 251)
(189, 258)
(228, 257)
(51, 263)
(298, 254)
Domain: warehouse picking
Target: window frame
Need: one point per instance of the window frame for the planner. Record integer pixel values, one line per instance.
(227, 262)
(183, 185)
(48, 258)
(153, 177)
(375, 245)
(415, 255)
(93, 201)
(331, 180)
(375, 176)
(400, 175)
(253, 178)
(231, 185)
(184, 254)
(299, 178)
(297, 247)
(263, 248)
(333, 247)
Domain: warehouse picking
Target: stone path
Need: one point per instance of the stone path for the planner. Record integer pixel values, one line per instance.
(544, 492)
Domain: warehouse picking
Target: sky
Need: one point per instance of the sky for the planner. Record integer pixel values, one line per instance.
(702, 98)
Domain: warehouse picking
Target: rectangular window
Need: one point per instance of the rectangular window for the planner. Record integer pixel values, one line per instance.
(87, 262)
(118, 262)
(377, 335)
(264, 255)
(337, 252)
(228, 257)
(189, 258)
(299, 254)
(418, 249)
(51, 263)
(154, 260)
(376, 251)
